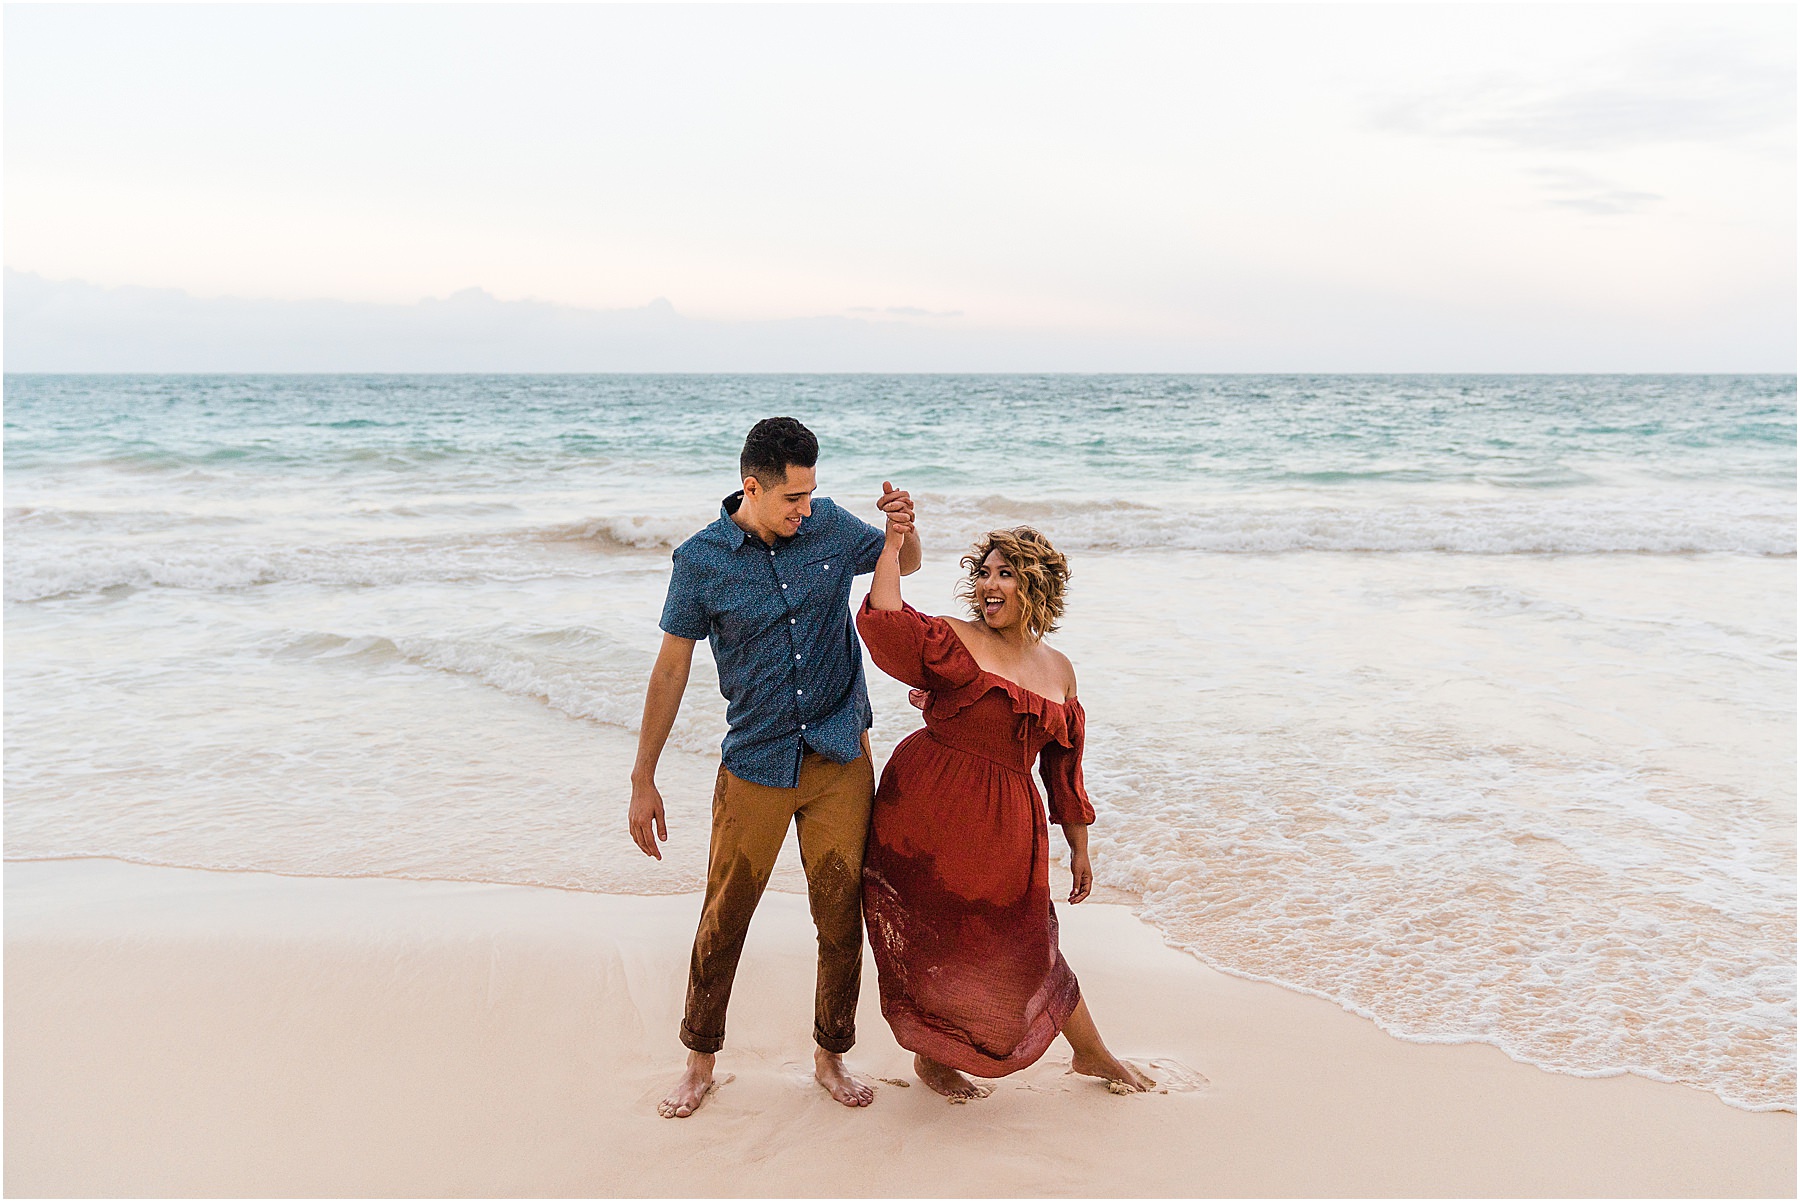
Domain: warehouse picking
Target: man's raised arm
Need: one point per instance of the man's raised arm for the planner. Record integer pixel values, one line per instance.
(662, 701)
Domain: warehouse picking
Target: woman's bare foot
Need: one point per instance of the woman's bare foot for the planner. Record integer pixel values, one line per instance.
(1119, 1076)
(948, 1081)
(691, 1090)
(1092, 1059)
(828, 1068)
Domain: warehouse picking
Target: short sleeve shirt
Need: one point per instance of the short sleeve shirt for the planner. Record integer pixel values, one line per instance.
(778, 620)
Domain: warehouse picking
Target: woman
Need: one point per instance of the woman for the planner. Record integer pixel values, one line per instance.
(956, 878)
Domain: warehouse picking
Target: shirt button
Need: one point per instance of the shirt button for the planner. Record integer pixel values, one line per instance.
(828, 567)
(784, 586)
(790, 621)
(799, 692)
(796, 657)
(803, 726)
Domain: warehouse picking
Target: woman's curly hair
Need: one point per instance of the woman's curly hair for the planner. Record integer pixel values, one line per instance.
(1041, 570)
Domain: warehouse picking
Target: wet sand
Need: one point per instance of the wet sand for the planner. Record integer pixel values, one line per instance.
(175, 1032)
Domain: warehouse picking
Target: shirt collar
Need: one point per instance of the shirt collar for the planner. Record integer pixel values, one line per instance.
(729, 506)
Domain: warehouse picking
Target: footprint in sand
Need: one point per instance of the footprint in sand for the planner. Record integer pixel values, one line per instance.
(1171, 1076)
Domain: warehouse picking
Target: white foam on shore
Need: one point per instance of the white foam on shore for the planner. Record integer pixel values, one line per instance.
(55, 553)
(1585, 918)
(1624, 521)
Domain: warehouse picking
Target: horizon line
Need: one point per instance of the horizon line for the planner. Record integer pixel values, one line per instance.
(1088, 374)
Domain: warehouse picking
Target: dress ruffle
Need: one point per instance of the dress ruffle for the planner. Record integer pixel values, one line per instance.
(954, 681)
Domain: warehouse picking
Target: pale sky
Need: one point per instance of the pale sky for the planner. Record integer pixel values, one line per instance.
(1525, 178)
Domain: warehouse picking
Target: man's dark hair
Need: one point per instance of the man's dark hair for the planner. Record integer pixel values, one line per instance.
(773, 445)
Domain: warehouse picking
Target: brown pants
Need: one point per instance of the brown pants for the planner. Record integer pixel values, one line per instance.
(831, 808)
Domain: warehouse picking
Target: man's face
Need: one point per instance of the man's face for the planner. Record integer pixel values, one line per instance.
(779, 508)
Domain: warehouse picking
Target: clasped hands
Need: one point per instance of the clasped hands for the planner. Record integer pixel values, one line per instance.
(897, 504)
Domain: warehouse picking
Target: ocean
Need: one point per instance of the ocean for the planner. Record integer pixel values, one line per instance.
(1465, 702)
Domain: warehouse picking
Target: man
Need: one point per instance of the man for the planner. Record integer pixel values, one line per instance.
(768, 585)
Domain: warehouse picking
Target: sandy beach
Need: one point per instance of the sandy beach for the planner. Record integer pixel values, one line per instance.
(177, 1032)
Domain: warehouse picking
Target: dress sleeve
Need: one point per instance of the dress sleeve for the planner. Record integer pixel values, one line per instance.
(1064, 790)
(923, 652)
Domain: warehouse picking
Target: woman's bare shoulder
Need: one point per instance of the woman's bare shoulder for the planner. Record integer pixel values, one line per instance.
(1064, 667)
(965, 630)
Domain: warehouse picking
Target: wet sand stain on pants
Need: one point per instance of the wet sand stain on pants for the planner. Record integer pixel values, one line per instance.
(830, 806)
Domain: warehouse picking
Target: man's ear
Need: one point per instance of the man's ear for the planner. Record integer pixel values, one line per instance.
(752, 486)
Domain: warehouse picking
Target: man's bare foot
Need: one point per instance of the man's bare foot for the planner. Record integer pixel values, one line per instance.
(948, 1081)
(828, 1068)
(1119, 1076)
(691, 1090)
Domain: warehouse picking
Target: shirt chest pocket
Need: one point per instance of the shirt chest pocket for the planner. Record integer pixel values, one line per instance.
(821, 573)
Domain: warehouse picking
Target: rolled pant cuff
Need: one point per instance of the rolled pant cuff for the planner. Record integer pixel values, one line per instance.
(838, 1044)
(710, 1044)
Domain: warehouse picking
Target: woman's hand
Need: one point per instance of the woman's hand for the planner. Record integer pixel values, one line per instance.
(884, 590)
(1083, 872)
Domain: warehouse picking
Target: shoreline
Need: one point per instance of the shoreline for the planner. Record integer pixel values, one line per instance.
(1500, 1046)
(789, 880)
(251, 1033)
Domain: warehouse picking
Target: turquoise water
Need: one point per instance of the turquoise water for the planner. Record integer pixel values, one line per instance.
(1061, 432)
(1467, 702)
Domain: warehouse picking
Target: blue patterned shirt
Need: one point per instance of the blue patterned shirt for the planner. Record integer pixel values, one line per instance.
(778, 619)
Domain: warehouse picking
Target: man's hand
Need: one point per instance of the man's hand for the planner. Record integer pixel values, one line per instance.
(647, 825)
(897, 505)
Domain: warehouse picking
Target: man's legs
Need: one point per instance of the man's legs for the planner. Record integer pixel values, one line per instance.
(834, 826)
(833, 821)
(749, 823)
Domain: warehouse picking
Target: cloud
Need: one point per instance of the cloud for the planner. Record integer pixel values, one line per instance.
(1713, 90)
(909, 311)
(70, 326)
(904, 311)
(1586, 193)
(1709, 90)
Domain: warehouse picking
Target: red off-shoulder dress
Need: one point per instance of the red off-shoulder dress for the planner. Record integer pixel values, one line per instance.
(956, 878)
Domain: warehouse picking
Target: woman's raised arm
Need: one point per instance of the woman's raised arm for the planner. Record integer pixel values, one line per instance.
(884, 590)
